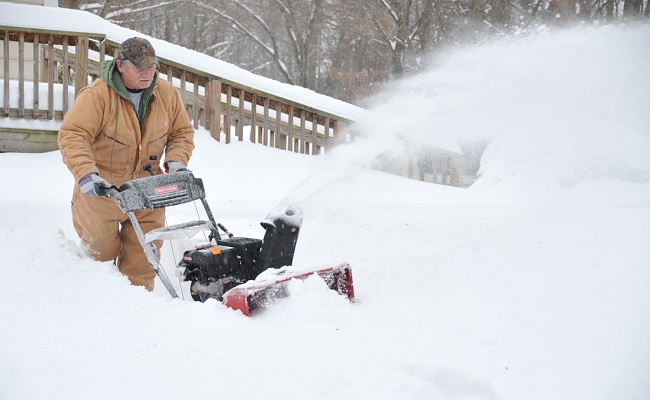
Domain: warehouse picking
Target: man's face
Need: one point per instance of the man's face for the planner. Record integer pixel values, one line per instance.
(133, 78)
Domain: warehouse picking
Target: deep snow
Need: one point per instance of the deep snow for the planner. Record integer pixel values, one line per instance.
(531, 284)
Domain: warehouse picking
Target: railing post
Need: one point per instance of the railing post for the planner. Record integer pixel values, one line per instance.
(302, 132)
(456, 171)
(278, 124)
(290, 130)
(50, 77)
(6, 73)
(326, 134)
(21, 75)
(102, 53)
(265, 123)
(170, 74)
(254, 119)
(186, 103)
(66, 75)
(81, 64)
(240, 118)
(196, 110)
(44, 56)
(315, 149)
(37, 66)
(339, 135)
(213, 105)
(227, 116)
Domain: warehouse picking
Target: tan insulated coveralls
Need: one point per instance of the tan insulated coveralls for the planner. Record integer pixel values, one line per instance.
(101, 133)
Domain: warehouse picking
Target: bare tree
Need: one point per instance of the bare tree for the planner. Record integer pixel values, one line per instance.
(633, 9)
(348, 49)
(288, 46)
(401, 23)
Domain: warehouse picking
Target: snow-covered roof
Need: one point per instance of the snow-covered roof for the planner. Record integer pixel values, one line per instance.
(82, 22)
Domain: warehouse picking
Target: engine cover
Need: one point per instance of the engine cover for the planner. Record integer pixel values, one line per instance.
(214, 261)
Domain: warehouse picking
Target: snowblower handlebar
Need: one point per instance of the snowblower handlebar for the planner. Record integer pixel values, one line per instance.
(158, 191)
(111, 191)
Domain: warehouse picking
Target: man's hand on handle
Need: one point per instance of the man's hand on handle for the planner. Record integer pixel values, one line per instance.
(94, 185)
(174, 166)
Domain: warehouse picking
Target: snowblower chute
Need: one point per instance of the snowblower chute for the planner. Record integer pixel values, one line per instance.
(224, 268)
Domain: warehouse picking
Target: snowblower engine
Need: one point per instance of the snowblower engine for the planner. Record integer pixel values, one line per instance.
(215, 269)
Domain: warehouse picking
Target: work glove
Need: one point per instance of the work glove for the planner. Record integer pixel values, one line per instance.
(92, 185)
(174, 166)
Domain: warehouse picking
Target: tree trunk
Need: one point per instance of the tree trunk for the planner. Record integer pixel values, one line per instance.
(632, 9)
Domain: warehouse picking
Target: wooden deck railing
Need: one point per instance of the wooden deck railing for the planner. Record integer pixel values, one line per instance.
(63, 63)
(68, 62)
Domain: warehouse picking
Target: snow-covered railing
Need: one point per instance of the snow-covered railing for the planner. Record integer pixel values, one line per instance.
(28, 46)
(63, 61)
(43, 70)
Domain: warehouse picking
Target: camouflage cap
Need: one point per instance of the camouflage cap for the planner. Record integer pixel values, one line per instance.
(139, 51)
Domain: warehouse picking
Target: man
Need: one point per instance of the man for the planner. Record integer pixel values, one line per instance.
(116, 126)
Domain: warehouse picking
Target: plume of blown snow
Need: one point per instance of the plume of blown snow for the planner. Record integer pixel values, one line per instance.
(558, 126)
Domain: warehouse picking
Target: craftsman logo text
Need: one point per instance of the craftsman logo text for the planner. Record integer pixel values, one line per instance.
(166, 189)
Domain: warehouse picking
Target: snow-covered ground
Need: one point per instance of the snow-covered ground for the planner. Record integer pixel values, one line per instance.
(531, 284)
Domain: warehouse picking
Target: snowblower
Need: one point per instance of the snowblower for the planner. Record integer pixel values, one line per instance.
(226, 267)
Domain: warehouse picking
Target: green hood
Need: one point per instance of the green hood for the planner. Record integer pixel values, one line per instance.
(112, 76)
